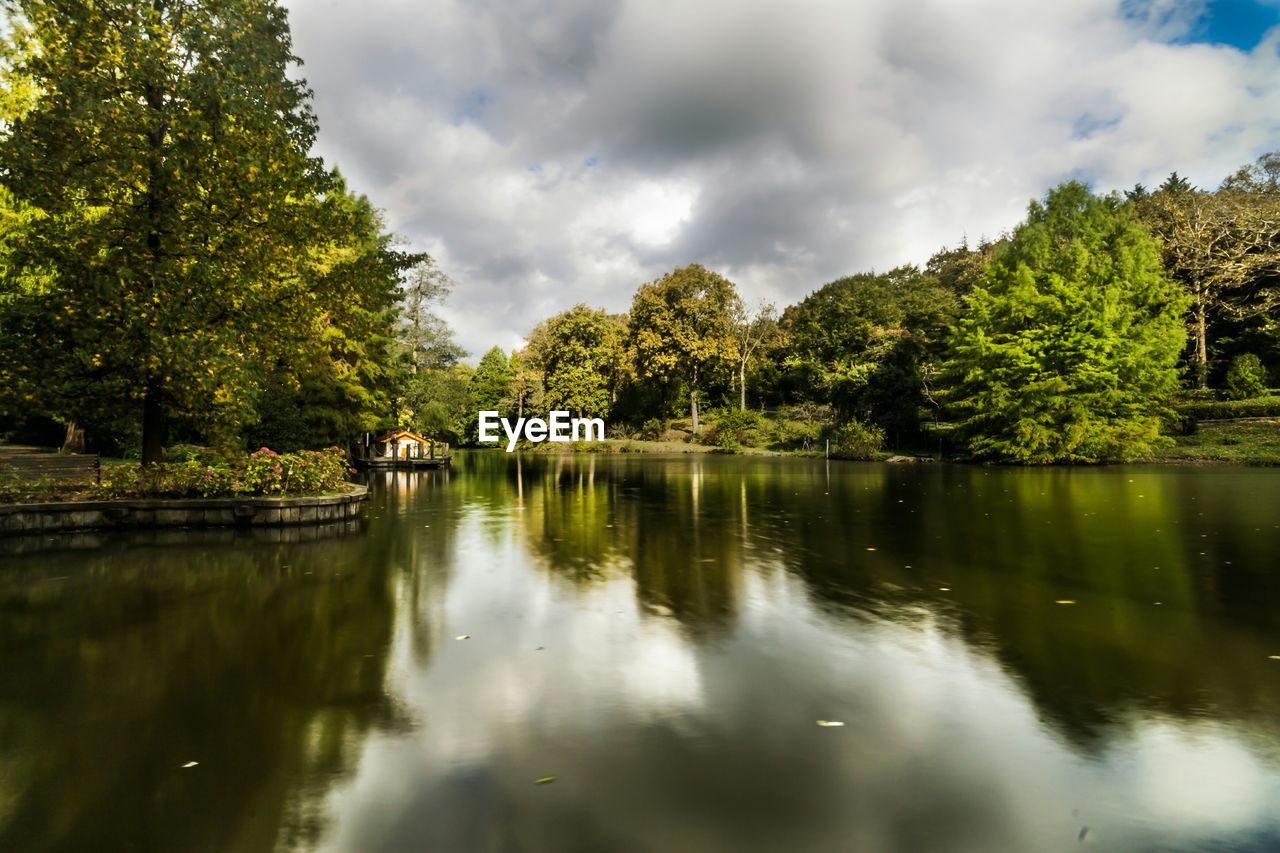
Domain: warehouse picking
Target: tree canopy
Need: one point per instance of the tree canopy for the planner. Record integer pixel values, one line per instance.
(1068, 351)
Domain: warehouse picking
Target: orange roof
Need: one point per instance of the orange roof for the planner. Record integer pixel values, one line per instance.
(401, 435)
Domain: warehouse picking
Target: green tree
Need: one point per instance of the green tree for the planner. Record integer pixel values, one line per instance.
(1068, 352)
(1246, 377)
(1224, 246)
(864, 342)
(682, 328)
(491, 381)
(753, 332)
(166, 148)
(581, 353)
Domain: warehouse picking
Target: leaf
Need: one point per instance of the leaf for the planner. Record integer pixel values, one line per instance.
(190, 764)
(1065, 601)
(463, 637)
(544, 780)
(830, 724)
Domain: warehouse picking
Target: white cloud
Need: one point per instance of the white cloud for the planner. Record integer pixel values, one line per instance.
(560, 152)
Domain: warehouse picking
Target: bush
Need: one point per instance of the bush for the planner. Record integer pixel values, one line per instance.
(652, 429)
(264, 472)
(1246, 378)
(856, 440)
(1261, 407)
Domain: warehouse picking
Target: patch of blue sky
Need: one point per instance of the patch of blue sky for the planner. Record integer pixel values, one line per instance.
(1241, 24)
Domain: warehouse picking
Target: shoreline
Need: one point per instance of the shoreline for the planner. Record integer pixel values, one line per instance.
(18, 519)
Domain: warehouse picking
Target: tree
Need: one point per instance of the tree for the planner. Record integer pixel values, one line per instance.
(167, 151)
(752, 329)
(425, 335)
(1223, 246)
(681, 328)
(581, 353)
(335, 376)
(862, 343)
(526, 383)
(491, 382)
(1068, 352)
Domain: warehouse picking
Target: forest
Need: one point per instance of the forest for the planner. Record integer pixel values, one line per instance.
(178, 267)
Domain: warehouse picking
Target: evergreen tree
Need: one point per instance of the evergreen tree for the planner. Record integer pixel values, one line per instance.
(1069, 351)
(491, 382)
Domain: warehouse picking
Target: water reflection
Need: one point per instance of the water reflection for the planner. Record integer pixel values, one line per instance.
(661, 636)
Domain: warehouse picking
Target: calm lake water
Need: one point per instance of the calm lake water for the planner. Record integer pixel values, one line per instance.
(1022, 660)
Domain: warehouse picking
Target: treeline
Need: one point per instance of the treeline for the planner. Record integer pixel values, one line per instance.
(177, 267)
(1068, 339)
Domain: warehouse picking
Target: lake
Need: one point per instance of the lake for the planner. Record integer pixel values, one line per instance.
(633, 653)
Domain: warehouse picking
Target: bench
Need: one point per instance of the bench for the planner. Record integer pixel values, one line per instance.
(34, 465)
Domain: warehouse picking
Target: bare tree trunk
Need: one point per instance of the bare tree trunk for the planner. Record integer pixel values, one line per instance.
(693, 408)
(1202, 345)
(742, 385)
(152, 427)
(74, 441)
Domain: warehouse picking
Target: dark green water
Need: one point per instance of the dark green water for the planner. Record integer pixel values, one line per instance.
(662, 636)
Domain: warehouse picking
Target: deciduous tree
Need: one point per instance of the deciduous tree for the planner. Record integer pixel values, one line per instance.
(1068, 352)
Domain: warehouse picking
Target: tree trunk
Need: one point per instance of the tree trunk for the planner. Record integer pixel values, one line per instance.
(693, 408)
(74, 441)
(152, 427)
(1202, 345)
(742, 385)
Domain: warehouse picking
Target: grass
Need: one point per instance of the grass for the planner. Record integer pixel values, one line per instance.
(1254, 442)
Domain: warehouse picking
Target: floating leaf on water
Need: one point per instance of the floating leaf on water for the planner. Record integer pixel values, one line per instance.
(944, 589)
(538, 649)
(871, 549)
(1065, 601)
(463, 637)
(190, 764)
(544, 780)
(1274, 657)
(830, 724)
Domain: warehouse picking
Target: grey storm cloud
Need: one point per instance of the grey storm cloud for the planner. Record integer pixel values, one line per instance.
(550, 152)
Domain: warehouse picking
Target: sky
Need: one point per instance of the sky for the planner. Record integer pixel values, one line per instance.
(552, 152)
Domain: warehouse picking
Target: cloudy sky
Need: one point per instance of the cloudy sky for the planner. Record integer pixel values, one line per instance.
(549, 152)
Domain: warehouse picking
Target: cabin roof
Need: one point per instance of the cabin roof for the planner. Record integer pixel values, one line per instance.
(401, 435)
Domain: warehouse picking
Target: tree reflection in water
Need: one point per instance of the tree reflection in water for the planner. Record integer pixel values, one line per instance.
(661, 635)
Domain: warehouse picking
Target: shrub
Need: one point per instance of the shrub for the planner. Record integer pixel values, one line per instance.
(856, 440)
(652, 429)
(1261, 407)
(1246, 378)
(264, 472)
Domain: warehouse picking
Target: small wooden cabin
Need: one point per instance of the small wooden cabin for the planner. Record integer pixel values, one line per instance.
(404, 448)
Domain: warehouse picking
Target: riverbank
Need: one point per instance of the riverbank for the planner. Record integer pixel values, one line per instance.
(1254, 442)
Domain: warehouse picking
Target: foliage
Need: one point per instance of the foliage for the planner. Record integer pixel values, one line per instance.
(1246, 377)
(165, 149)
(1261, 407)
(263, 472)
(581, 356)
(1068, 352)
(437, 402)
(681, 329)
(490, 384)
(861, 344)
(1223, 246)
(856, 440)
